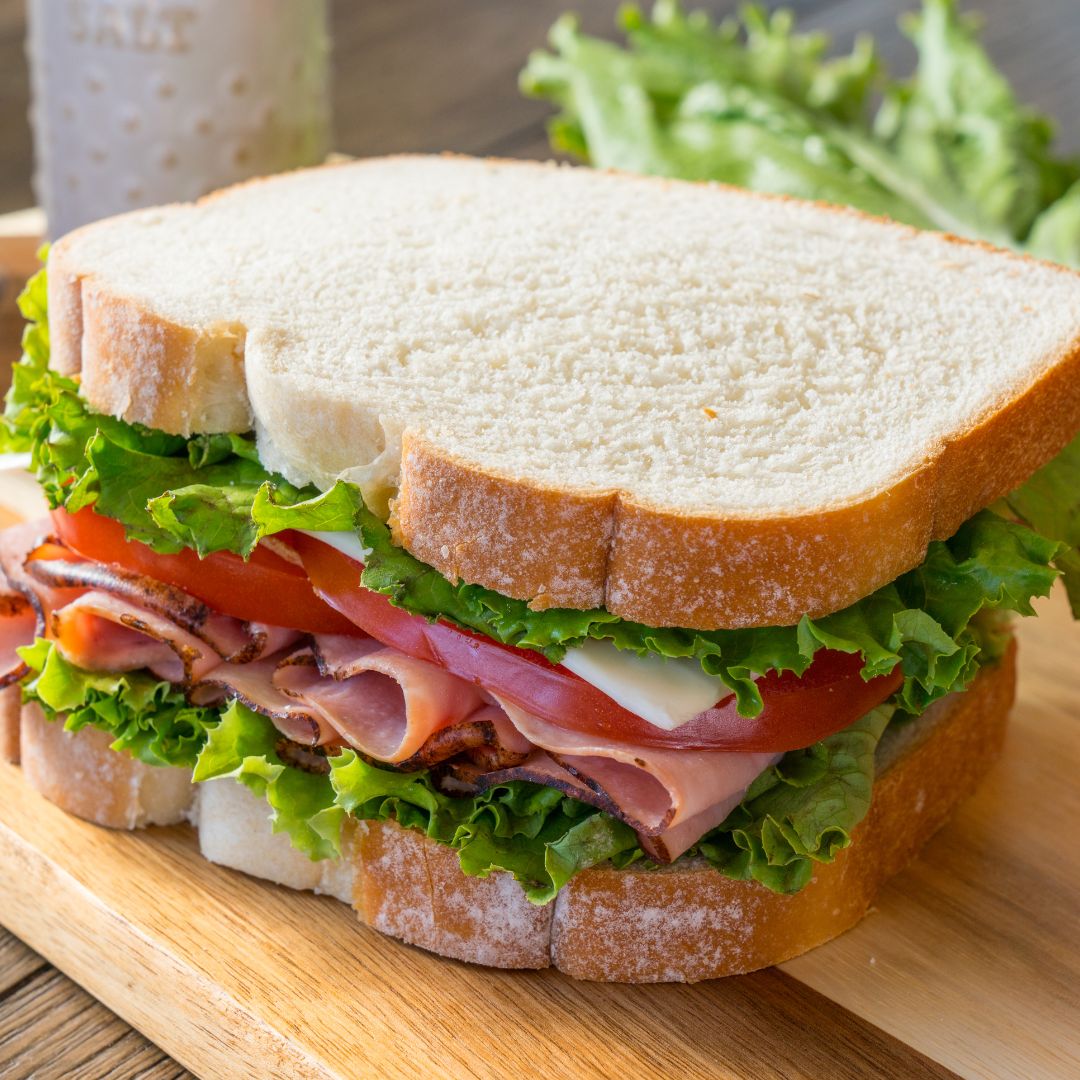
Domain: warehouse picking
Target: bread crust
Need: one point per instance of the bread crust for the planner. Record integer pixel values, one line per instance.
(136, 364)
(412, 888)
(10, 711)
(565, 547)
(688, 922)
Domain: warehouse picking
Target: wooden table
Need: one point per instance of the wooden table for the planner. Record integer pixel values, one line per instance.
(440, 74)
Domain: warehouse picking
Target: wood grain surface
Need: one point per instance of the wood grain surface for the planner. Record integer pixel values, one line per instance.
(970, 957)
(41, 1008)
(234, 977)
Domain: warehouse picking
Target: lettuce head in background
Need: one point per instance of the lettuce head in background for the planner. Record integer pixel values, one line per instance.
(753, 102)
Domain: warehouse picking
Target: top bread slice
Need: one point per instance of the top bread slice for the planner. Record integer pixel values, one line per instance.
(690, 404)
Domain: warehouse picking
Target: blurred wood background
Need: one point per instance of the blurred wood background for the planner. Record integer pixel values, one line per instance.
(429, 75)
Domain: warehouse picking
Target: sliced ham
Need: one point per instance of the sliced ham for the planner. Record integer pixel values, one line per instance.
(102, 632)
(254, 684)
(664, 846)
(672, 795)
(384, 704)
(667, 846)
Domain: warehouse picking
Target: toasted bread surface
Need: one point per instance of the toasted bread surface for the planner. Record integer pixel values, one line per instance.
(692, 405)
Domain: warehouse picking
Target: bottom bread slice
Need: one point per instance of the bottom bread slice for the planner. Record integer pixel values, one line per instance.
(79, 772)
(688, 922)
(682, 923)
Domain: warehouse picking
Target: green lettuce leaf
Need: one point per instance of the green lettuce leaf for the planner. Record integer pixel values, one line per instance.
(752, 102)
(147, 718)
(1049, 502)
(958, 125)
(801, 811)
(241, 746)
(691, 100)
(1055, 235)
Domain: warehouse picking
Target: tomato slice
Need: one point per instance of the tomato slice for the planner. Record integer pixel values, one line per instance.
(324, 596)
(797, 711)
(265, 588)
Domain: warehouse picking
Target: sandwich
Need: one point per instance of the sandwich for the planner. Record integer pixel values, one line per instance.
(560, 567)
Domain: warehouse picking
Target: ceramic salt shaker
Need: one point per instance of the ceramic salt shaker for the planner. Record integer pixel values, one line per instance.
(137, 102)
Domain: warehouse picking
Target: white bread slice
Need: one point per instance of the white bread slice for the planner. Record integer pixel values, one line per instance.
(79, 773)
(683, 923)
(691, 404)
(234, 831)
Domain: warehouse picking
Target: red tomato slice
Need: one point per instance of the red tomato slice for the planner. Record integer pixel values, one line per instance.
(266, 588)
(797, 711)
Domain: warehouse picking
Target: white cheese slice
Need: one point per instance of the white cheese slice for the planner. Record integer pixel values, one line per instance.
(667, 692)
(346, 542)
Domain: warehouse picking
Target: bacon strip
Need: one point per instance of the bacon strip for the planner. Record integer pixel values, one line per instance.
(18, 621)
(232, 639)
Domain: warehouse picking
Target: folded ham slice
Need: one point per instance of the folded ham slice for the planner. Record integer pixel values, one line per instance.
(102, 632)
(663, 845)
(671, 796)
(384, 704)
(254, 684)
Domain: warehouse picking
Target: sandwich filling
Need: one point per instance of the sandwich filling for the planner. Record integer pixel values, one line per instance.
(209, 614)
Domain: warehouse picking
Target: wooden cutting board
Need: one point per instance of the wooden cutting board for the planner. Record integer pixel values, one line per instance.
(970, 961)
